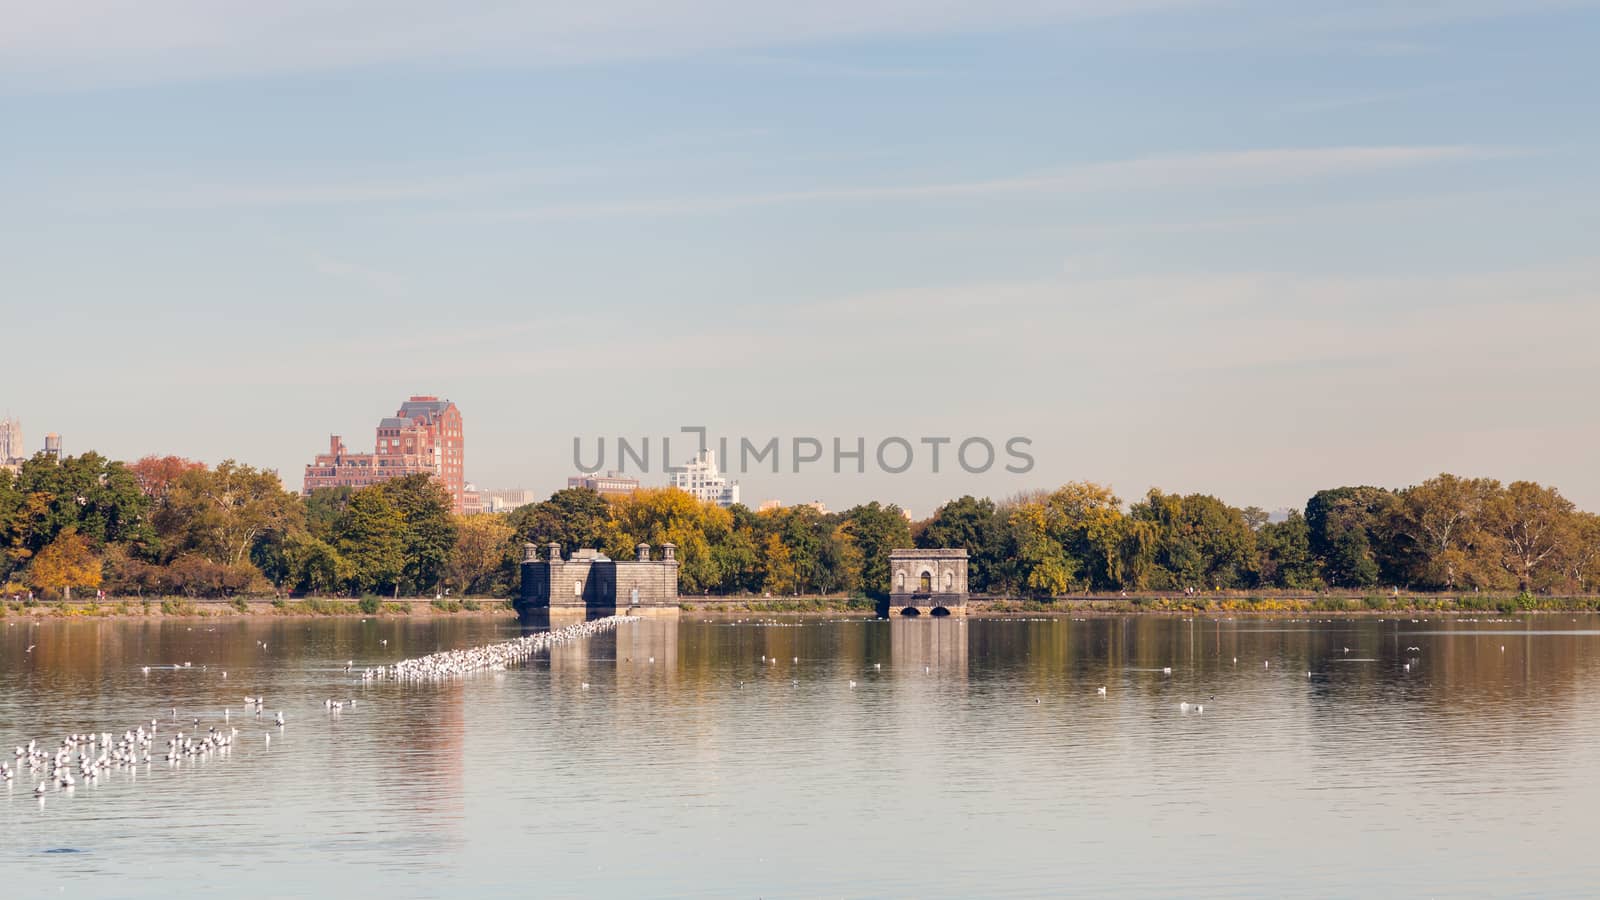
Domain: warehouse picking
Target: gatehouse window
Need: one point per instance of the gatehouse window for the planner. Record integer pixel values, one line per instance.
(927, 582)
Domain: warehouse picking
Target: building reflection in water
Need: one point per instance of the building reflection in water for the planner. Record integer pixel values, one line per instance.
(937, 644)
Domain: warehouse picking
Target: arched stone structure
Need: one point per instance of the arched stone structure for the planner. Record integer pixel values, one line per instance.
(927, 582)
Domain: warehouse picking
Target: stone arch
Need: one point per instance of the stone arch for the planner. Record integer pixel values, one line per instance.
(939, 611)
(910, 611)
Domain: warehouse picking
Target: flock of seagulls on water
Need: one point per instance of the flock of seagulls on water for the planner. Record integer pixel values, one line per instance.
(448, 664)
(94, 756)
(89, 757)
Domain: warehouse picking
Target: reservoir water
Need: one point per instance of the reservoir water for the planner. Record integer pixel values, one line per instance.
(668, 758)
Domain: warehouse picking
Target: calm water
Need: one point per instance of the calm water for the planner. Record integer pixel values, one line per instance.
(979, 760)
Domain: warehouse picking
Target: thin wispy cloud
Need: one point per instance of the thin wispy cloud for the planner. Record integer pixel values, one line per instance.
(95, 41)
(1224, 169)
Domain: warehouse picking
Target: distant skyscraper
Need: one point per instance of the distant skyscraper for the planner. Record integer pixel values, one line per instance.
(423, 436)
(10, 440)
(702, 480)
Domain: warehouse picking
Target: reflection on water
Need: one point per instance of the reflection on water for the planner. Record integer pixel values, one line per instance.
(734, 757)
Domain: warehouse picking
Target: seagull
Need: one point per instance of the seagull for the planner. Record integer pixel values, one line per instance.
(1101, 690)
(280, 717)
(30, 648)
(852, 684)
(1166, 670)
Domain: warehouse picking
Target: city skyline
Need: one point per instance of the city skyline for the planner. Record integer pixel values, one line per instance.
(1247, 250)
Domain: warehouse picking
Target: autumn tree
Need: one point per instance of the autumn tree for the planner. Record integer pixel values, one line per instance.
(1530, 523)
(1439, 525)
(483, 544)
(65, 563)
(227, 511)
(657, 516)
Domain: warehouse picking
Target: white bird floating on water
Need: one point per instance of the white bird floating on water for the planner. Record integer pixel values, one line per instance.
(1101, 690)
(1166, 670)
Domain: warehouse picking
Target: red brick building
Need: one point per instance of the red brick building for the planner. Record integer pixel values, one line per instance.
(423, 436)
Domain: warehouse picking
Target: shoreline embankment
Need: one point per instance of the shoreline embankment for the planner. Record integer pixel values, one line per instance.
(1339, 604)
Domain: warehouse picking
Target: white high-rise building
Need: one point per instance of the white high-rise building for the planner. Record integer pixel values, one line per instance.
(702, 481)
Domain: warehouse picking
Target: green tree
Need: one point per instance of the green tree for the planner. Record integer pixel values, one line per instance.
(976, 525)
(429, 535)
(573, 518)
(1200, 541)
(97, 498)
(370, 538)
(1286, 560)
(875, 530)
(1346, 534)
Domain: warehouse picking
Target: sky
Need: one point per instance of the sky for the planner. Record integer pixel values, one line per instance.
(1252, 249)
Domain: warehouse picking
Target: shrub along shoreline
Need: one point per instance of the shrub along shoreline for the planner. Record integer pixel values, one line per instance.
(184, 607)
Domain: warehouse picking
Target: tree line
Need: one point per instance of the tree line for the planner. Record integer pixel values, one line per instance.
(170, 526)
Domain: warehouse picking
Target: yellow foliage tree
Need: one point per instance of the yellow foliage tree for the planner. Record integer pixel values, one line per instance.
(657, 516)
(65, 563)
(482, 545)
(781, 573)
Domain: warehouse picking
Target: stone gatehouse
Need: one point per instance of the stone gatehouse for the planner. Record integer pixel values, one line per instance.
(928, 582)
(594, 582)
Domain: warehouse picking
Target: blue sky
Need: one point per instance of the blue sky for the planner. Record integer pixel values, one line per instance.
(1252, 249)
